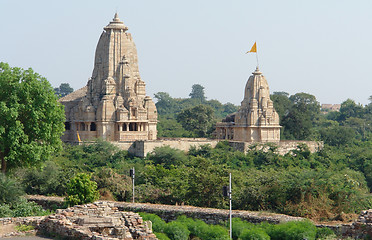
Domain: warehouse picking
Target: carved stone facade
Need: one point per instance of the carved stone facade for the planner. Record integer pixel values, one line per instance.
(113, 106)
(256, 120)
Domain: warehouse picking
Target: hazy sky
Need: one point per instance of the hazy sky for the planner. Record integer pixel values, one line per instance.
(322, 47)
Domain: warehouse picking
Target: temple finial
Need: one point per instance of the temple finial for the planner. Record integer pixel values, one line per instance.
(116, 17)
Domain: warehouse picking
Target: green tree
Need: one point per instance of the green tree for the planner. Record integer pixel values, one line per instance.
(31, 119)
(299, 121)
(350, 109)
(81, 190)
(63, 90)
(198, 119)
(281, 102)
(165, 103)
(197, 92)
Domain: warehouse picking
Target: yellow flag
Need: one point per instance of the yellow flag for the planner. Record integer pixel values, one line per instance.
(78, 136)
(253, 49)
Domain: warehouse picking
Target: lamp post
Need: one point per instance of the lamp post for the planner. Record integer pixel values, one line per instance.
(132, 173)
(226, 190)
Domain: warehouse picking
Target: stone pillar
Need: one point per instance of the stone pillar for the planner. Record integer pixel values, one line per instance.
(88, 126)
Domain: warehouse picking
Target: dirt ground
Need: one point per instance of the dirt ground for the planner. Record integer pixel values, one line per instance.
(7, 229)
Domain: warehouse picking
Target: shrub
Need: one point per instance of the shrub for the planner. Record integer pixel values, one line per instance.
(238, 226)
(51, 179)
(158, 225)
(296, 230)
(167, 156)
(161, 236)
(177, 231)
(118, 185)
(24, 228)
(323, 233)
(23, 208)
(10, 190)
(81, 190)
(5, 211)
(254, 234)
(200, 229)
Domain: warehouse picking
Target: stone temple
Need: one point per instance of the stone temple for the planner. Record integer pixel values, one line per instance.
(256, 120)
(113, 105)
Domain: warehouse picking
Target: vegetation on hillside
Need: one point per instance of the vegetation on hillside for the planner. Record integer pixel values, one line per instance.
(322, 185)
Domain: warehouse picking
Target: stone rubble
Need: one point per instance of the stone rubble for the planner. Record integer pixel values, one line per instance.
(100, 221)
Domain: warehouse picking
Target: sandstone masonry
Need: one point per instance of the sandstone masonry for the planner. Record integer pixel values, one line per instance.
(113, 106)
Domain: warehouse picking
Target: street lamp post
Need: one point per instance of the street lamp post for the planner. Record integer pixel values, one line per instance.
(226, 190)
(132, 173)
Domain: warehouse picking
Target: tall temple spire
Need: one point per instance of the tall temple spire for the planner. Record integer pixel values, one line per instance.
(115, 106)
(116, 24)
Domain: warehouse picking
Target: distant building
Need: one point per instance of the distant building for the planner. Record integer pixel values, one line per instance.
(256, 120)
(113, 106)
(330, 107)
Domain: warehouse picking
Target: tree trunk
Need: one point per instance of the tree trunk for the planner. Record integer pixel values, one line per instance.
(3, 162)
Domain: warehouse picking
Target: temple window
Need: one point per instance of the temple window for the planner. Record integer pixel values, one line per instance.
(93, 126)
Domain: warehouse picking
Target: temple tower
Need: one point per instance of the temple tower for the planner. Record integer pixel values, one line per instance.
(256, 120)
(113, 106)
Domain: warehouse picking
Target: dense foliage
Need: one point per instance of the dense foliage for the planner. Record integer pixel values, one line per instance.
(187, 228)
(322, 185)
(31, 119)
(190, 117)
(12, 204)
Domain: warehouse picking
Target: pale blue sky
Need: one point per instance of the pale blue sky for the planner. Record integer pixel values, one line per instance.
(322, 47)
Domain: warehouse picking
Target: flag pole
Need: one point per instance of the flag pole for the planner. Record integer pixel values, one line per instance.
(257, 54)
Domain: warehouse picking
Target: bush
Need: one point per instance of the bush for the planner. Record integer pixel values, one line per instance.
(168, 156)
(238, 226)
(10, 190)
(23, 208)
(296, 230)
(5, 211)
(177, 231)
(161, 236)
(200, 229)
(50, 180)
(323, 233)
(81, 190)
(254, 234)
(24, 228)
(118, 185)
(158, 225)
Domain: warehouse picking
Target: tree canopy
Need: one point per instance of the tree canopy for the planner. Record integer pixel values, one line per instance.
(31, 119)
(197, 92)
(63, 90)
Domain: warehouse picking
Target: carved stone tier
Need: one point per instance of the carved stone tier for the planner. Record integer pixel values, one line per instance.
(256, 120)
(115, 98)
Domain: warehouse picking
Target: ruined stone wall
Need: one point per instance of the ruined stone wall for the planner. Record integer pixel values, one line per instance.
(283, 147)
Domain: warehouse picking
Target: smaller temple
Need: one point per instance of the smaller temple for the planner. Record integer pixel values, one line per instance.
(256, 120)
